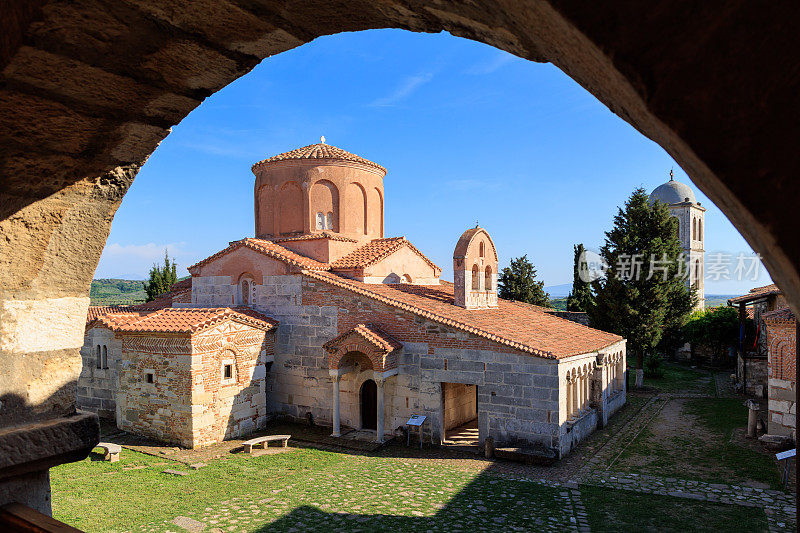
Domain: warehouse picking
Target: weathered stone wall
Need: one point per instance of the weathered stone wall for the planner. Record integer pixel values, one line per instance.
(161, 409)
(97, 387)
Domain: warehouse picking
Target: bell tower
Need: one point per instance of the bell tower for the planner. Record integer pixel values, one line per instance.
(475, 270)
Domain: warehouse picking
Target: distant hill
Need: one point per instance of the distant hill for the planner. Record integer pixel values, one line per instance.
(117, 291)
(559, 291)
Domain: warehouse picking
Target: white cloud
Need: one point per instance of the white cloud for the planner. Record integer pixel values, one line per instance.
(133, 261)
(497, 62)
(409, 85)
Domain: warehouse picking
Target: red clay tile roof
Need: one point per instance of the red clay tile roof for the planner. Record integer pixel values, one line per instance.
(755, 294)
(193, 319)
(521, 326)
(314, 236)
(96, 311)
(319, 151)
(370, 333)
(269, 249)
(374, 251)
(784, 314)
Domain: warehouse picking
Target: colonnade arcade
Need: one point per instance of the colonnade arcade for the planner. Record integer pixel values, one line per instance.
(607, 372)
(365, 352)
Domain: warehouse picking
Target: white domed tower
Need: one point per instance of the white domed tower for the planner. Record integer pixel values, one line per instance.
(691, 229)
(475, 270)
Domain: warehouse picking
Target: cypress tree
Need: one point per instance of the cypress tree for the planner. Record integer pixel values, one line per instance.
(580, 298)
(518, 282)
(161, 279)
(645, 291)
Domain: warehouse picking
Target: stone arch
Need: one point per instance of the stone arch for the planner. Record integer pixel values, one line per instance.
(265, 211)
(290, 208)
(355, 209)
(76, 146)
(246, 288)
(476, 278)
(325, 199)
(375, 205)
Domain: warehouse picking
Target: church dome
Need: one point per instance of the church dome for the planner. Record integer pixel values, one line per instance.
(319, 151)
(673, 192)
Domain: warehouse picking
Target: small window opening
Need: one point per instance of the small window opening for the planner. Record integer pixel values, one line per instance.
(329, 220)
(105, 356)
(320, 220)
(245, 291)
(481, 250)
(227, 372)
(98, 351)
(149, 377)
(476, 278)
(487, 285)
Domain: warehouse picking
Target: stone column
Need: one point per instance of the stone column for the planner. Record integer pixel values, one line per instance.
(336, 424)
(379, 437)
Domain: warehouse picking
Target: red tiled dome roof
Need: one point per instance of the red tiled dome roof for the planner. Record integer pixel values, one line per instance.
(319, 151)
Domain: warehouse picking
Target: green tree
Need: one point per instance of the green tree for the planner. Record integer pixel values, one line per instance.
(716, 328)
(580, 299)
(518, 282)
(645, 292)
(161, 279)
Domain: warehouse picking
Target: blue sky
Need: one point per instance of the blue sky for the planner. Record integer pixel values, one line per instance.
(467, 133)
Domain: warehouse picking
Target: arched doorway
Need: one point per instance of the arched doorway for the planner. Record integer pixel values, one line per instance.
(369, 405)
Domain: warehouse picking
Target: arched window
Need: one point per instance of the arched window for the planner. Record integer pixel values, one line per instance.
(329, 220)
(694, 228)
(105, 356)
(487, 282)
(228, 370)
(246, 291)
(476, 278)
(481, 250)
(697, 269)
(700, 230)
(99, 357)
(320, 220)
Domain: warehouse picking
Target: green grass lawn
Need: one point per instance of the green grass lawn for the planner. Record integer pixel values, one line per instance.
(702, 449)
(313, 490)
(304, 488)
(678, 378)
(632, 511)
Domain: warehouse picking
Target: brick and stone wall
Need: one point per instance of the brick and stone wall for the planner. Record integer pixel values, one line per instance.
(227, 408)
(97, 387)
(782, 357)
(162, 409)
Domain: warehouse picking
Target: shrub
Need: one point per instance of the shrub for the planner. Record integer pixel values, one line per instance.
(652, 366)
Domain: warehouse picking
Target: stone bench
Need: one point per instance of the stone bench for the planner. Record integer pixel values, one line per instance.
(250, 445)
(111, 451)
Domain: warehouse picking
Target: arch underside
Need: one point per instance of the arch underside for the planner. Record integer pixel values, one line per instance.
(89, 89)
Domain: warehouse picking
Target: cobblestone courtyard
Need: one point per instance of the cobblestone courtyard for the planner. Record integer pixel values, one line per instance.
(604, 486)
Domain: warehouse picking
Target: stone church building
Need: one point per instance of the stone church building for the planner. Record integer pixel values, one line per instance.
(321, 316)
